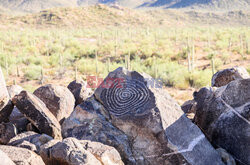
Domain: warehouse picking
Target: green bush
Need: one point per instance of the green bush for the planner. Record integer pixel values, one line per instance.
(32, 72)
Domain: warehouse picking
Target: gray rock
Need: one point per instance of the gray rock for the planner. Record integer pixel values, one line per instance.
(38, 114)
(146, 115)
(14, 90)
(4, 159)
(58, 99)
(20, 124)
(223, 114)
(15, 114)
(107, 155)
(226, 157)
(86, 123)
(70, 151)
(30, 140)
(225, 76)
(7, 131)
(22, 156)
(189, 108)
(80, 91)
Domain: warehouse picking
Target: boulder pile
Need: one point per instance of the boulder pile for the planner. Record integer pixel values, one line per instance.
(128, 120)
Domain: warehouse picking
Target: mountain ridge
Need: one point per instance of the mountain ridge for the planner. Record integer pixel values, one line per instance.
(214, 5)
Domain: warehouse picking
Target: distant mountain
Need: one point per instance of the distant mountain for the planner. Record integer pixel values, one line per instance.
(37, 5)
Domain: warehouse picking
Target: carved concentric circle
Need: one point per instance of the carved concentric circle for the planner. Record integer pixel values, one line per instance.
(125, 97)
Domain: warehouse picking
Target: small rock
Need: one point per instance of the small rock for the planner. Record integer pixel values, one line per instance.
(7, 131)
(30, 140)
(22, 156)
(225, 76)
(80, 91)
(20, 124)
(38, 114)
(58, 99)
(4, 159)
(70, 151)
(226, 157)
(189, 108)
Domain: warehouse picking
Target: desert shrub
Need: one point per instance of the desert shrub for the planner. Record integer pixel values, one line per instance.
(32, 72)
(201, 78)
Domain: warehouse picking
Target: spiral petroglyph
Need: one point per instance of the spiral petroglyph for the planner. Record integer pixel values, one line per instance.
(126, 97)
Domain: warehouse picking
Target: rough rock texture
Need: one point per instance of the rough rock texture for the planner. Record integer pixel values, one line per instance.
(69, 152)
(6, 111)
(86, 123)
(189, 108)
(223, 114)
(4, 159)
(7, 131)
(107, 155)
(21, 156)
(226, 157)
(58, 99)
(134, 105)
(225, 76)
(79, 90)
(30, 140)
(20, 124)
(37, 113)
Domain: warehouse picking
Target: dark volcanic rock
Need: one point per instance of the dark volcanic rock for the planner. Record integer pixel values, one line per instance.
(80, 90)
(134, 106)
(21, 156)
(225, 76)
(224, 116)
(7, 131)
(189, 108)
(38, 114)
(58, 99)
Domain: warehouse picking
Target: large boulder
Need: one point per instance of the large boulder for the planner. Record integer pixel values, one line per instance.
(69, 152)
(6, 106)
(147, 116)
(30, 140)
(224, 116)
(21, 156)
(4, 159)
(7, 131)
(225, 76)
(80, 90)
(38, 114)
(58, 99)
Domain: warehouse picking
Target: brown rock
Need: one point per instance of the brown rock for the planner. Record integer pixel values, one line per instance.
(58, 99)
(38, 114)
(21, 156)
(225, 76)
(80, 91)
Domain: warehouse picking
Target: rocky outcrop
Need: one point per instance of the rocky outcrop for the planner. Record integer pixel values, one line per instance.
(6, 106)
(71, 153)
(4, 159)
(7, 131)
(149, 122)
(30, 140)
(225, 76)
(223, 114)
(38, 114)
(189, 108)
(21, 156)
(58, 99)
(80, 90)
